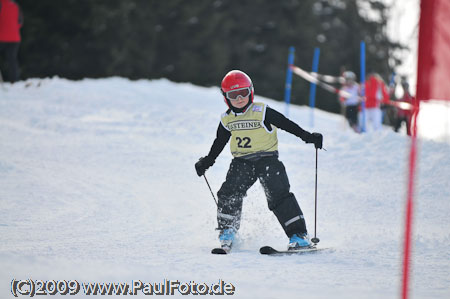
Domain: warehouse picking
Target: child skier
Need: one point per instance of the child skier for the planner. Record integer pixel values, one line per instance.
(252, 128)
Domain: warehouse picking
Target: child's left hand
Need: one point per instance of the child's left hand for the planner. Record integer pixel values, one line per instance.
(318, 140)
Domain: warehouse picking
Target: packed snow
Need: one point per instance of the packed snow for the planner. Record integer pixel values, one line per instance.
(97, 184)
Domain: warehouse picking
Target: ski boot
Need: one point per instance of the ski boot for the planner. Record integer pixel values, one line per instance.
(299, 241)
(226, 238)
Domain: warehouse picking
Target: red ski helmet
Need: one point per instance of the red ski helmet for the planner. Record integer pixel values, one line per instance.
(236, 80)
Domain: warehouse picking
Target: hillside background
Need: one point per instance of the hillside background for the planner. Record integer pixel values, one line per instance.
(199, 41)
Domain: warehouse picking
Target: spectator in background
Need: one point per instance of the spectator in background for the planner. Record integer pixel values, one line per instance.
(376, 94)
(11, 19)
(351, 102)
(404, 114)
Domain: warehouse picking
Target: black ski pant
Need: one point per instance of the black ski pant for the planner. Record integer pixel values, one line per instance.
(270, 171)
(10, 51)
(351, 113)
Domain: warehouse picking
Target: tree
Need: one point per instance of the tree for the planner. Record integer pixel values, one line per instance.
(200, 40)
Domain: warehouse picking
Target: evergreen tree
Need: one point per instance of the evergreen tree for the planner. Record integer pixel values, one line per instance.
(198, 41)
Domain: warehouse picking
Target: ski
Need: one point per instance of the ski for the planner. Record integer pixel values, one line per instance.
(268, 250)
(221, 250)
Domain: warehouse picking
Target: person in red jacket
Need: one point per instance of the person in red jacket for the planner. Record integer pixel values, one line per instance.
(376, 94)
(11, 20)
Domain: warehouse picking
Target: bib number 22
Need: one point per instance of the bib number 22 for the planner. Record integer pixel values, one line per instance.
(243, 142)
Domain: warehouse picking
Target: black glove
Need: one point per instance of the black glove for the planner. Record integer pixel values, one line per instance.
(317, 139)
(203, 164)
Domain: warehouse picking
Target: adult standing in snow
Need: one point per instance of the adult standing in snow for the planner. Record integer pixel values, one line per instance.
(404, 115)
(11, 20)
(376, 94)
(252, 128)
(351, 103)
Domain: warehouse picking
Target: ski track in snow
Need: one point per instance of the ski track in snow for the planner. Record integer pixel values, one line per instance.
(97, 183)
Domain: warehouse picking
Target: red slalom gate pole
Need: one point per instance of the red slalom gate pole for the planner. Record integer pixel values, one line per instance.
(409, 208)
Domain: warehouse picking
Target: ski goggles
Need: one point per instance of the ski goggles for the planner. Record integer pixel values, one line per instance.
(234, 94)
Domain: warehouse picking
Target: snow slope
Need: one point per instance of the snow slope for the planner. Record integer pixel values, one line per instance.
(97, 184)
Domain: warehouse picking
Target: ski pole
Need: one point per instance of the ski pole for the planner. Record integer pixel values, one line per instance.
(210, 190)
(315, 240)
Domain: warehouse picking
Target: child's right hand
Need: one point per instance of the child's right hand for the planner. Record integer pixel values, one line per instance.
(202, 165)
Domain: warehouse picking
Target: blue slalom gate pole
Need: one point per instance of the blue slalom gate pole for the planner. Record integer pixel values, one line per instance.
(312, 89)
(363, 84)
(288, 86)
